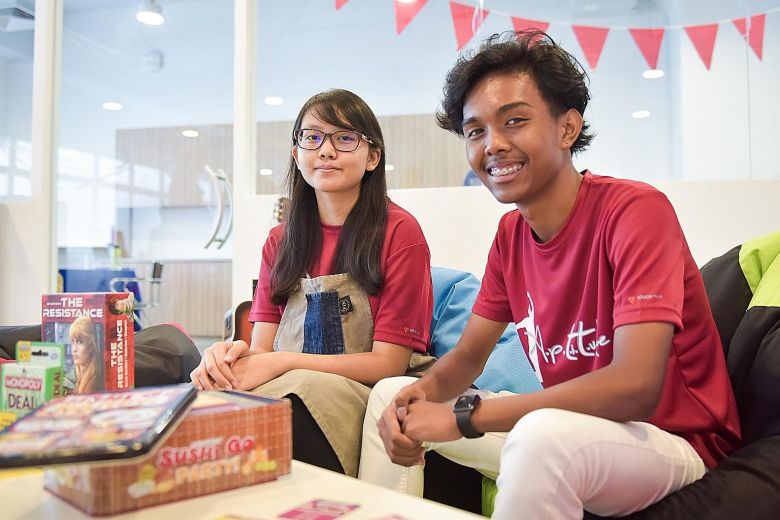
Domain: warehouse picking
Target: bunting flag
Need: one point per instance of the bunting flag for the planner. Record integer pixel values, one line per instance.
(703, 38)
(522, 24)
(462, 17)
(755, 38)
(592, 42)
(405, 13)
(467, 21)
(649, 43)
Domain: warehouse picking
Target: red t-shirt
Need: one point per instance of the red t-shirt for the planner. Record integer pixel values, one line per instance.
(620, 258)
(403, 308)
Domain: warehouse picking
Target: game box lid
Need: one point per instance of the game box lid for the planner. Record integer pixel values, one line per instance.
(105, 426)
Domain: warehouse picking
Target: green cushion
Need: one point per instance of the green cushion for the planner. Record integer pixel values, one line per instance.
(489, 490)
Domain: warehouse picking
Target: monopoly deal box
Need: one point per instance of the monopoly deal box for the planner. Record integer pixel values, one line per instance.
(33, 379)
(26, 386)
(97, 331)
(226, 440)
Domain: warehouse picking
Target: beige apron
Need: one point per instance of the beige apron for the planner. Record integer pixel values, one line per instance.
(330, 315)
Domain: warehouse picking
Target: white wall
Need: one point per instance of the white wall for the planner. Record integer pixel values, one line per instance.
(459, 223)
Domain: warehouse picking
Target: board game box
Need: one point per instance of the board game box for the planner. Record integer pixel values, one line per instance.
(97, 331)
(35, 377)
(226, 440)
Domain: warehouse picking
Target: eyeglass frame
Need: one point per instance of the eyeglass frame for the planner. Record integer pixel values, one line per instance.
(330, 136)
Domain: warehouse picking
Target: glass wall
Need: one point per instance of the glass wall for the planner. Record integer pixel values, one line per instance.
(145, 147)
(137, 139)
(681, 89)
(16, 78)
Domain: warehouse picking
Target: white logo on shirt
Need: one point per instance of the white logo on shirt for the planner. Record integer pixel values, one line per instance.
(576, 344)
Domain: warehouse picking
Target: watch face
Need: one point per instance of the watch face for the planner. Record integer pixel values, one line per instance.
(465, 402)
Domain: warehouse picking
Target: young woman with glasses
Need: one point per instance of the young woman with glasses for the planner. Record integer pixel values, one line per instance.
(347, 272)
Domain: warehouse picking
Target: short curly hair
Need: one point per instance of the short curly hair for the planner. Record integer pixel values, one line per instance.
(560, 78)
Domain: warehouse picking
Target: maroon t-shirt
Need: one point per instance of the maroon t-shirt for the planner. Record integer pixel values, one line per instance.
(403, 308)
(620, 258)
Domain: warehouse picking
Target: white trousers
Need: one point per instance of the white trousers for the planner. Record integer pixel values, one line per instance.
(554, 463)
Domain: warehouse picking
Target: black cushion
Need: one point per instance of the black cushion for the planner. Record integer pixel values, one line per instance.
(10, 335)
(744, 486)
(164, 355)
(728, 293)
(754, 366)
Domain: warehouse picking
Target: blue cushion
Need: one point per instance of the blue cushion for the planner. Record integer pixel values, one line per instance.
(507, 368)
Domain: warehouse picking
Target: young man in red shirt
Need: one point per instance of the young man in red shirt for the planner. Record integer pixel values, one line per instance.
(609, 306)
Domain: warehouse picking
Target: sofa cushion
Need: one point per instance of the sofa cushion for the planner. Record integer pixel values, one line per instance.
(507, 368)
(743, 486)
(10, 335)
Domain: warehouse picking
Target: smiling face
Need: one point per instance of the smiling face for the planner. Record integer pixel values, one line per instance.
(330, 171)
(516, 146)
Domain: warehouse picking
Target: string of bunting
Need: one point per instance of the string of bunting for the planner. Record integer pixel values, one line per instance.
(467, 19)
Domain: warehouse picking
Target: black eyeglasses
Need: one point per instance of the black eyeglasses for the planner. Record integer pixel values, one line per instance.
(343, 140)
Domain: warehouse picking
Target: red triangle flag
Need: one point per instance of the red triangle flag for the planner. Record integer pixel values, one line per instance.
(462, 15)
(649, 42)
(522, 24)
(592, 42)
(703, 38)
(405, 13)
(340, 4)
(756, 37)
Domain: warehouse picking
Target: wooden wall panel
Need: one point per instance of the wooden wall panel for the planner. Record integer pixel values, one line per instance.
(194, 294)
(168, 168)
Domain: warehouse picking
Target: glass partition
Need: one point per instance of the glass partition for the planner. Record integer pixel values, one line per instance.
(146, 114)
(16, 77)
(145, 151)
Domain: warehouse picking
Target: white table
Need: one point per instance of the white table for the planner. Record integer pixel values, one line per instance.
(23, 497)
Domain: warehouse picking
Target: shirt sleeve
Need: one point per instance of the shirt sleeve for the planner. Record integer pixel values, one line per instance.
(262, 308)
(646, 249)
(405, 309)
(492, 301)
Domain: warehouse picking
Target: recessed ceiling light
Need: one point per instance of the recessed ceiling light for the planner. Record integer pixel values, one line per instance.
(653, 74)
(389, 167)
(266, 172)
(190, 133)
(150, 13)
(112, 105)
(407, 1)
(640, 114)
(274, 101)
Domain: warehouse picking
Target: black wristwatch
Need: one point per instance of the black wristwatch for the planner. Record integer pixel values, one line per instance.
(464, 407)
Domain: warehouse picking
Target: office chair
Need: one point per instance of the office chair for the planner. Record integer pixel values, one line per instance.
(149, 299)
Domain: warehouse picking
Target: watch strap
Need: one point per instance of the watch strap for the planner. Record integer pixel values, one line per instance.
(463, 419)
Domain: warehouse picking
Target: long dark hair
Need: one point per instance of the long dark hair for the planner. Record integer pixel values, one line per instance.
(360, 243)
(560, 78)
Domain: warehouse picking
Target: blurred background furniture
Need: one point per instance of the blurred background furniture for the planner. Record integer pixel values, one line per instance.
(132, 283)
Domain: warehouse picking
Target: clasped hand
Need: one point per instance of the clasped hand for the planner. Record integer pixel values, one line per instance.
(229, 365)
(411, 420)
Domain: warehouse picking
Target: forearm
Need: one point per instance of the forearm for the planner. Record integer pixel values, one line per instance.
(606, 393)
(263, 334)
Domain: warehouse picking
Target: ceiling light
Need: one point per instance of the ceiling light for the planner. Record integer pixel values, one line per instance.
(653, 74)
(640, 114)
(266, 172)
(112, 105)
(150, 13)
(274, 101)
(190, 133)
(389, 167)
(407, 1)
